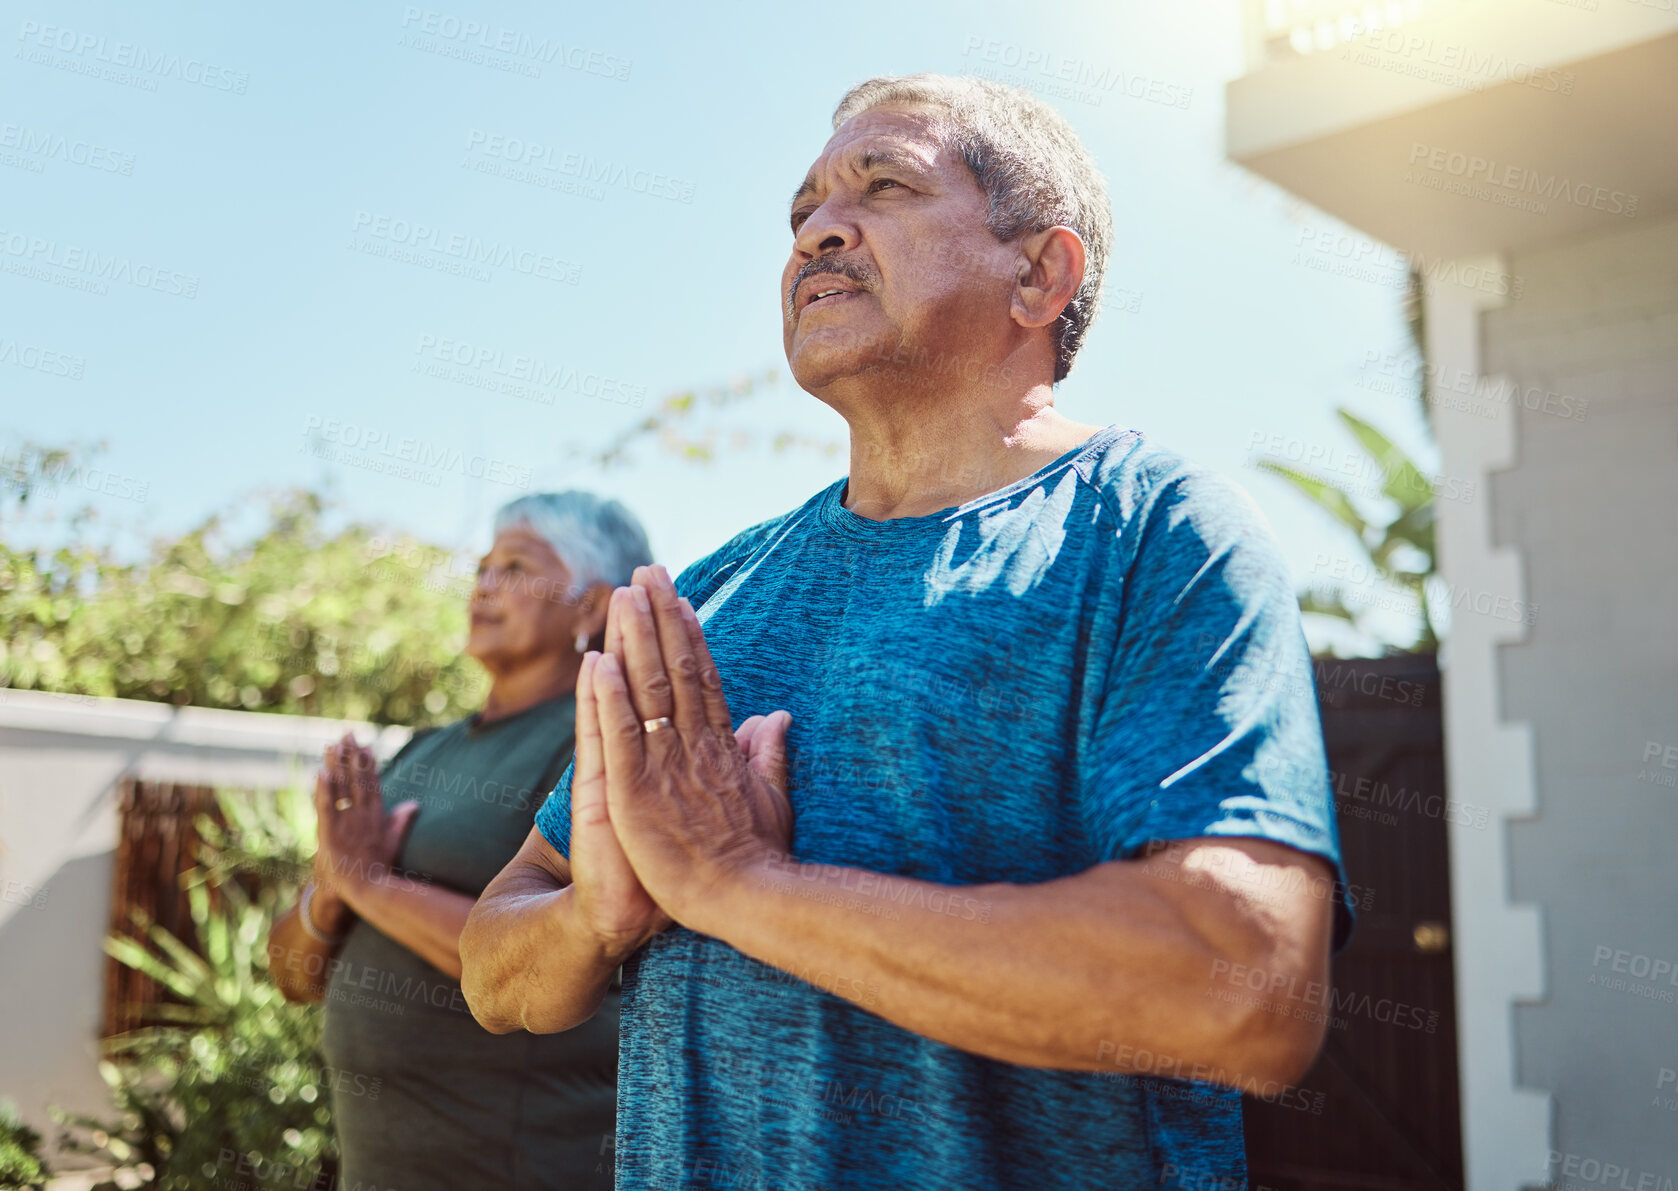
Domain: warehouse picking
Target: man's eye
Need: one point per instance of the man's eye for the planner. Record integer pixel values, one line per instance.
(798, 218)
(881, 183)
(515, 566)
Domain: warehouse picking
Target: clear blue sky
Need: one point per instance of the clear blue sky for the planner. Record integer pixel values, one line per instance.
(357, 123)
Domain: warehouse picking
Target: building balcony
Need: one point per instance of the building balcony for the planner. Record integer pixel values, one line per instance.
(1457, 128)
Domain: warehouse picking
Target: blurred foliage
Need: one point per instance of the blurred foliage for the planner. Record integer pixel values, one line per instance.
(350, 625)
(1399, 546)
(20, 1152)
(1398, 538)
(232, 1068)
(693, 425)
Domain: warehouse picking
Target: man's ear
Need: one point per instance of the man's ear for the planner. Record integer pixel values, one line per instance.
(1050, 273)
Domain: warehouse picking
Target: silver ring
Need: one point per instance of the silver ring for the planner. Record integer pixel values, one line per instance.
(662, 721)
(343, 804)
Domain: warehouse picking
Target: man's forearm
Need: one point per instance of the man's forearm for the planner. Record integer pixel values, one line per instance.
(1041, 975)
(527, 962)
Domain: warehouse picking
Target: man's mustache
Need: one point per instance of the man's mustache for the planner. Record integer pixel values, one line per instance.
(851, 270)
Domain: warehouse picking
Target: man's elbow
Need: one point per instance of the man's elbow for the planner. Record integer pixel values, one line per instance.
(480, 998)
(475, 984)
(1277, 1048)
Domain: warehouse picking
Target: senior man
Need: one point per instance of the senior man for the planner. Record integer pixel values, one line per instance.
(1056, 769)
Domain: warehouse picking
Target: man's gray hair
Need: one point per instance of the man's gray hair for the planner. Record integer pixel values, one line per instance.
(1027, 160)
(598, 540)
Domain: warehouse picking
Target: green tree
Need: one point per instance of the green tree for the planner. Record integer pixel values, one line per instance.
(352, 624)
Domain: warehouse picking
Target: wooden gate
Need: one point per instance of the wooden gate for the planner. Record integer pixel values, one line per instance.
(157, 842)
(1388, 1069)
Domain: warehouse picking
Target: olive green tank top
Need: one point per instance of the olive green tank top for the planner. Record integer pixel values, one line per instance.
(423, 1096)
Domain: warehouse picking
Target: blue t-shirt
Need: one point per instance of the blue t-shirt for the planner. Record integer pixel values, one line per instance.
(1103, 654)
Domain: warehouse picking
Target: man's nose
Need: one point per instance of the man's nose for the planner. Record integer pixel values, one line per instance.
(830, 227)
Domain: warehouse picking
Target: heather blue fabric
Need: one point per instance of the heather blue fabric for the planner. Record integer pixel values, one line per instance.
(1103, 654)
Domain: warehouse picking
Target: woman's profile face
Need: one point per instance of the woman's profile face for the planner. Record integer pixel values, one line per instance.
(520, 607)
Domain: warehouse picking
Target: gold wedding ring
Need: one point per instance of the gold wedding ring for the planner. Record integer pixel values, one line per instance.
(662, 721)
(343, 804)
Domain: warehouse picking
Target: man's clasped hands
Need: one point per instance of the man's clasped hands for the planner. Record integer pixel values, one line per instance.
(667, 817)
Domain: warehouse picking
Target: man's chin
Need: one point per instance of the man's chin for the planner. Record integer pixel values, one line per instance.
(827, 358)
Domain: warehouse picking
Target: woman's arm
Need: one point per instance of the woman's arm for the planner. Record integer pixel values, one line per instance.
(300, 963)
(354, 876)
(426, 919)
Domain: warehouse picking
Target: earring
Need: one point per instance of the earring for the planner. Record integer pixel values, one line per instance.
(582, 641)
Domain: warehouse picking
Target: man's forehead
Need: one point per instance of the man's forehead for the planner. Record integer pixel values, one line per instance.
(888, 134)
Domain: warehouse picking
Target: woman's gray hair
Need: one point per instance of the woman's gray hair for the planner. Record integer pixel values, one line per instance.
(1027, 160)
(598, 540)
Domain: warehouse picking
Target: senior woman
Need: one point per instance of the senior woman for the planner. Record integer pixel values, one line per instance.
(423, 1096)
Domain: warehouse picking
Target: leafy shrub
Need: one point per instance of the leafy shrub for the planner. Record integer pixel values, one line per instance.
(20, 1152)
(225, 1088)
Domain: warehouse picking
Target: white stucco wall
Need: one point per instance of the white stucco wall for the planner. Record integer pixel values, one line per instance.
(61, 759)
(1590, 504)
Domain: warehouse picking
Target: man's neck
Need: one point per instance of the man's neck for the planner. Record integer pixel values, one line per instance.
(519, 688)
(941, 456)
